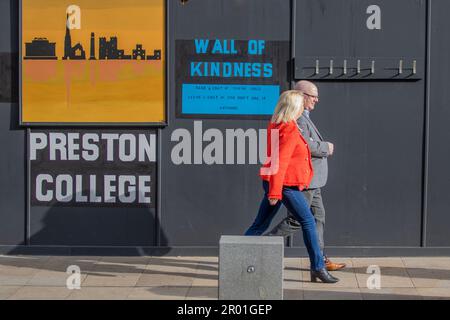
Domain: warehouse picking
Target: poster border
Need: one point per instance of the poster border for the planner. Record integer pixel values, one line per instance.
(161, 124)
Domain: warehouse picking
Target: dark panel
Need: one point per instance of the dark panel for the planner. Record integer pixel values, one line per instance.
(92, 226)
(373, 195)
(12, 173)
(201, 202)
(439, 153)
(339, 28)
(72, 202)
(222, 19)
(9, 26)
(8, 77)
(9, 71)
(12, 139)
(341, 34)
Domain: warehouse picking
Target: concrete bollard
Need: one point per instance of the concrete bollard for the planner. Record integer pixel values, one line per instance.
(251, 268)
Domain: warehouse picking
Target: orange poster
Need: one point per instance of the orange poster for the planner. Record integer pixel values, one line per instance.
(93, 62)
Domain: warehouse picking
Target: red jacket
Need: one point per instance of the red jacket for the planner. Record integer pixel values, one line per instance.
(294, 167)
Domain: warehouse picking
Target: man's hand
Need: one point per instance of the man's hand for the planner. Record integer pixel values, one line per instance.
(273, 201)
(330, 147)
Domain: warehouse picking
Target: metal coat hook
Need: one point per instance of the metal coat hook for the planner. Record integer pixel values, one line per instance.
(331, 66)
(372, 69)
(400, 67)
(345, 66)
(414, 66)
(358, 67)
(317, 67)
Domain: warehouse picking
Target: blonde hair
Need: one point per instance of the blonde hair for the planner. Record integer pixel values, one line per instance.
(289, 106)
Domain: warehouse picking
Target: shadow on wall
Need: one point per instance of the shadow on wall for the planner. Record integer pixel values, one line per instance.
(9, 79)
(9, 66)
(72, 231)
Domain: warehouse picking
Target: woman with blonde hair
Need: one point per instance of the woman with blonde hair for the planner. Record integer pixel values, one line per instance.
(287, 171)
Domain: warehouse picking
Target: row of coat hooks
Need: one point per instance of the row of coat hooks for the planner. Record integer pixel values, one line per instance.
(358, 67)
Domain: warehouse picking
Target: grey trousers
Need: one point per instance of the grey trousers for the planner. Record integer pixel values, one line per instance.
(289, 225)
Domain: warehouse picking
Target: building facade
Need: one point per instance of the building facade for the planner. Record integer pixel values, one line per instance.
(383, 77)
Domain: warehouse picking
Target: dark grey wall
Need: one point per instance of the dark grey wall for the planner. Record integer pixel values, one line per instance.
(12, 138)
(438, 221)
(338, 28)
(201, 202)
(373, 195)
(92, 226)
(375, 190)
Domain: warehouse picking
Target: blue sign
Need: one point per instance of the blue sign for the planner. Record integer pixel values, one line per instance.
(229, 99)
(229, 78)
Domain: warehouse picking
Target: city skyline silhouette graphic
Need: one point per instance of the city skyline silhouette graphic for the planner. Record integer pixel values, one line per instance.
(40, 48)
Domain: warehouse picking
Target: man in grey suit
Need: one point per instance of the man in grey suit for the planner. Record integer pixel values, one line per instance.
(320, 151)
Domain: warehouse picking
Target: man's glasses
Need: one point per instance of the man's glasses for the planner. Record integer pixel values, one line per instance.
(311, 96)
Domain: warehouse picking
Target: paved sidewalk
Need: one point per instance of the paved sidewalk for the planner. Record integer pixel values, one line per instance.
(39, 277)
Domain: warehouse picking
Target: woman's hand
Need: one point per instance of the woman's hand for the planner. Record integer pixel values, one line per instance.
(273, 201)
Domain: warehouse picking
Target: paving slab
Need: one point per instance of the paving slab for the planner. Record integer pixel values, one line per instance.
(203, 293)
(427, 262)
(8, 291)
(178, 272)
(293, 280)
(15, 280)
(434, 293)
(110, 293)
(54, 272)
(207, 273)
(194, 278)
(40, 293)
(391, 294)
(109, 279)
(158, 293)
(429, 272)
(155, 278)
(393, 272)
(23, 261)
(332, 293)
(18, 270)
(46, 278)
(292, 294)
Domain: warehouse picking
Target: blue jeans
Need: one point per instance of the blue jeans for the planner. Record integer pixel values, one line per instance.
(295, 202)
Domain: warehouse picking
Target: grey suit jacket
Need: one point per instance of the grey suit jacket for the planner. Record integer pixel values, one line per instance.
(319, 151)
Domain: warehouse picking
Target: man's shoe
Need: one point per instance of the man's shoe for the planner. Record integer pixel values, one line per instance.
(331, 266)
